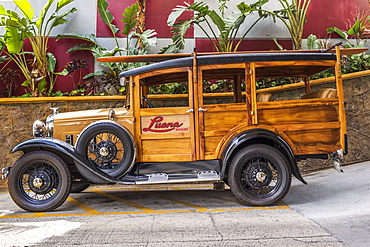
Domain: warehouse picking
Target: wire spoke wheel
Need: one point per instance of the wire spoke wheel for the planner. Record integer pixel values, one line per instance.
(105, 150)
(108, 147)
(259, 175)
(39, 181)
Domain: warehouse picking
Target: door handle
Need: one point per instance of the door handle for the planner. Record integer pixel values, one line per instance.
(190, 110)
(201, 109)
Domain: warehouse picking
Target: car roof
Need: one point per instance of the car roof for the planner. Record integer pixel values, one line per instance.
(231, 58)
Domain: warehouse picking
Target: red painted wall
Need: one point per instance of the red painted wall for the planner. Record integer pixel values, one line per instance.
(59, 49)
(116, 7)
(156, 16)
(331, 13)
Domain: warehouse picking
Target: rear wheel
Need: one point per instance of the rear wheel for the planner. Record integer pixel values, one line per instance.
(259, 175)
(39, 181)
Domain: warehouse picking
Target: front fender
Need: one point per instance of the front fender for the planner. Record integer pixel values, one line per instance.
(65, 150)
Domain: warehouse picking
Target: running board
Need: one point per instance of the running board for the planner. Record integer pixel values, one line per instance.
(166, 178)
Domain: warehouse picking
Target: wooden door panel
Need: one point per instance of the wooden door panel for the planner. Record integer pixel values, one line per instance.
(165, 135)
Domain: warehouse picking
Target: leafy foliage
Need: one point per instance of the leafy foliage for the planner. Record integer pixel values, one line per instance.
(109, 78)
(224, 38)
(41, 76)
(8, 82)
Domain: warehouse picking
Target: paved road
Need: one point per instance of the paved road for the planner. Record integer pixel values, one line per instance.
(333, 210)
(338, 202)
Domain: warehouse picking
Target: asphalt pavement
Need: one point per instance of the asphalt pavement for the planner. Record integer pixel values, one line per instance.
(338, 202)
(332, 210)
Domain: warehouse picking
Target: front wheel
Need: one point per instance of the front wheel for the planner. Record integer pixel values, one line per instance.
(39, 181)
(259, 175)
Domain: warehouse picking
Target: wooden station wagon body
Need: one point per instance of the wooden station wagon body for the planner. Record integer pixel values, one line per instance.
(248, 139)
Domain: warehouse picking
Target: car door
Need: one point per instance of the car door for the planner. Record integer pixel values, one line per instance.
(166, 122)
(221, 105)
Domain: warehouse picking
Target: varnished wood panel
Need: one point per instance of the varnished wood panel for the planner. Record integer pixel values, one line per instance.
(297, 103)
(218, 121)
(223, 120)
(167, 146)
(318, 149)
(212, 143)
(314, 137)
(166, 158)
(304, 114)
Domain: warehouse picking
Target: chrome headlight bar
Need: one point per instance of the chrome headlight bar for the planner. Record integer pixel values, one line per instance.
(41, 129)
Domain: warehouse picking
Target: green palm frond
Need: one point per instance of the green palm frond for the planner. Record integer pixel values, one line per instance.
(82, 47)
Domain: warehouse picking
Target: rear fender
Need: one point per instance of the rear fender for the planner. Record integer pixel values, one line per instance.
(259, 136)
(69, 154)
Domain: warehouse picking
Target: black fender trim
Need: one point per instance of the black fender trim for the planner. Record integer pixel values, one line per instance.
(263, 136)
(67, 151)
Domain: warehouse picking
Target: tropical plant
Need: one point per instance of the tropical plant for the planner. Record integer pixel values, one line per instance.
(8, 82)
(40, 75)
(224, 39)
(293, 15)
(357, 29)
(73, 66)
(296, 13)
(142, 43)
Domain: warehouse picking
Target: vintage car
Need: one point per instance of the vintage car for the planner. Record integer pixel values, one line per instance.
(248, 140)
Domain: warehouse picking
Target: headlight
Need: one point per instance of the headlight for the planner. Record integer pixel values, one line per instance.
(50, 125)
(38, 129)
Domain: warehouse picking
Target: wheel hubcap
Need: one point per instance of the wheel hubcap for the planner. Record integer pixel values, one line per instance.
(104, 151)
(260, 176)
(38, 182)
(42, 180)
(107, 151)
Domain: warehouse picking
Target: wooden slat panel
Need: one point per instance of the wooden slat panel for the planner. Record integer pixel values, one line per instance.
(161, 111)
(212, 143)
(167, 158)
(329, 63)
(226, 107)
(210, 156)
(165, 137)
(173, 146)
(309, 137)
(322, 149)
(215, 133)
(297, 103)
(223, 120)
(298, 115)
(163, 71)
(313, 125)
(342, 106)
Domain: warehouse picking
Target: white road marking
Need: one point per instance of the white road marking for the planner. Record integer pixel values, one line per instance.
(29, 233)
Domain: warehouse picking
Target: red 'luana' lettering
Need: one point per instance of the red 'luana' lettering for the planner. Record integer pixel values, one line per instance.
(161, 127)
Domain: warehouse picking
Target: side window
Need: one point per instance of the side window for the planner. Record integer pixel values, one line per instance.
(165, 90)
(293, 82)
(288, 94)
(223, 86)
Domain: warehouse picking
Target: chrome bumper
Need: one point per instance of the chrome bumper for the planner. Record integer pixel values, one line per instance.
(5, 172)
